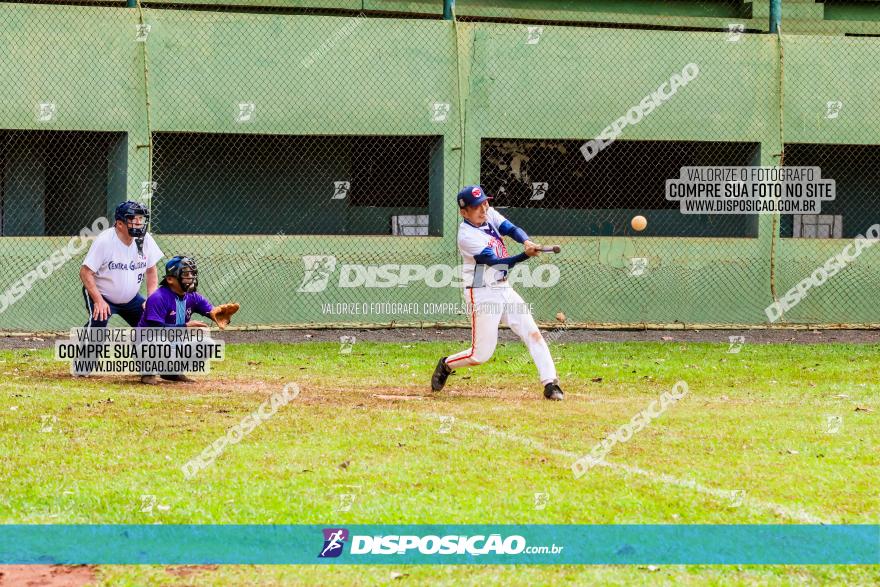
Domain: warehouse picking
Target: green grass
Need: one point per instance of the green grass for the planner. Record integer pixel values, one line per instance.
(755, 421)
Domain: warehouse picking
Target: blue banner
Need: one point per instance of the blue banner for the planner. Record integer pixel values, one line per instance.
(440, 544)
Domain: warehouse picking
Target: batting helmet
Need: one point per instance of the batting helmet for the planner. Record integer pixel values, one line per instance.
(126, 211)
(184, 270)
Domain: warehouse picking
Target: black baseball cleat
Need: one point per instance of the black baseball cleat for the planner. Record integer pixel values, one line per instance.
(441, 373)
(553, 392)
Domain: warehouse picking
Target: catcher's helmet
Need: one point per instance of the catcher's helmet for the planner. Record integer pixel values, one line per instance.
(127, 211)
(185, 271)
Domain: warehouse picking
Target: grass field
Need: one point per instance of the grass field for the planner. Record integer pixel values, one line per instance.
(792, 430)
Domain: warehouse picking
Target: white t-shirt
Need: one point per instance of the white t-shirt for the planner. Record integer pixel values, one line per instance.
(473, 240)
(119, 269)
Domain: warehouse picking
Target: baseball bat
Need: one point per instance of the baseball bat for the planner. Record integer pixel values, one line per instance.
(551, 249)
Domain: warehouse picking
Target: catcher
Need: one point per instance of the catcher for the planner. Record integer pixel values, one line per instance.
(174, 302)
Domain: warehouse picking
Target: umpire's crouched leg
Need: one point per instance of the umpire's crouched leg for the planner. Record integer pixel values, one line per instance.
(131, 311)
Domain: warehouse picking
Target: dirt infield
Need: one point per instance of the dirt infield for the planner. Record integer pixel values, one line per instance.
(47, 575)
(560, 335)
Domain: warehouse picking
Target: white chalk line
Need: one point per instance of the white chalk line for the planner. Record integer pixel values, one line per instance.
(796, 514)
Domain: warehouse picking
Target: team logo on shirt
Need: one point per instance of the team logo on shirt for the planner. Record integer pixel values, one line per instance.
(495, 241)
(498, 247)
(132, 266)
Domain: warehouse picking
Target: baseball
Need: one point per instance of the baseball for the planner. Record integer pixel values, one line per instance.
(560, 316)
(639, 223)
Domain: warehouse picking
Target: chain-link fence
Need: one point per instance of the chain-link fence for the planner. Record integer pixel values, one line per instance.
(307, 154)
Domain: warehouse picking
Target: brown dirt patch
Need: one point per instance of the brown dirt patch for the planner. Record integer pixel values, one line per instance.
(47, 575)
(189, 570)
(209, 386)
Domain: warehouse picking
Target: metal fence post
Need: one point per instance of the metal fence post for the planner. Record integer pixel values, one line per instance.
(448, 6)
(775, 15)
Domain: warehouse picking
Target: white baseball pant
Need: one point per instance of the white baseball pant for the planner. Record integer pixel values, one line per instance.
(491, 306)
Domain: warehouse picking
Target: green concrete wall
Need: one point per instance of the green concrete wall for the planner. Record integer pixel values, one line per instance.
(381, 77)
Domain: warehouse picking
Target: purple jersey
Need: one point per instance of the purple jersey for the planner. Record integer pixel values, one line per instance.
(169, 309)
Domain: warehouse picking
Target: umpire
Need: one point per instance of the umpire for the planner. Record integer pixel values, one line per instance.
(118, 262)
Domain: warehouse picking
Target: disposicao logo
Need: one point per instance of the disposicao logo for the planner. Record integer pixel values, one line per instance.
(334, 540)
(318, 269)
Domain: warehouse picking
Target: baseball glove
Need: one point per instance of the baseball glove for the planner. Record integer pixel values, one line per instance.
(222, 314)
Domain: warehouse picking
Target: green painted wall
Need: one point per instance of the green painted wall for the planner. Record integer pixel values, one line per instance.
(382, 76)
(842, 10)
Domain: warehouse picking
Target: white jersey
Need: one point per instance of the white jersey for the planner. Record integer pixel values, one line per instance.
(119, 269)
(474, 240)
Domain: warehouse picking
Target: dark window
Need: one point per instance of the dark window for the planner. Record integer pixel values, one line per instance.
(855, 207)
(390, 169)
(550, 187)
(266, 184)
(54, 183)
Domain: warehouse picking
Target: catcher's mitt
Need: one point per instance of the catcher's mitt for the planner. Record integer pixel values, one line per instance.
(222, 314)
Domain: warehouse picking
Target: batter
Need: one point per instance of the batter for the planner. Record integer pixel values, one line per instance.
(490, 298)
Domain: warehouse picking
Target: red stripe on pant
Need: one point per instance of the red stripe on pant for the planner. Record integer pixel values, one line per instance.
(473, 332)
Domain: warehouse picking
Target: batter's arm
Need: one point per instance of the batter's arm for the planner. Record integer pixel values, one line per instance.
(508, 228)
(488, 257)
